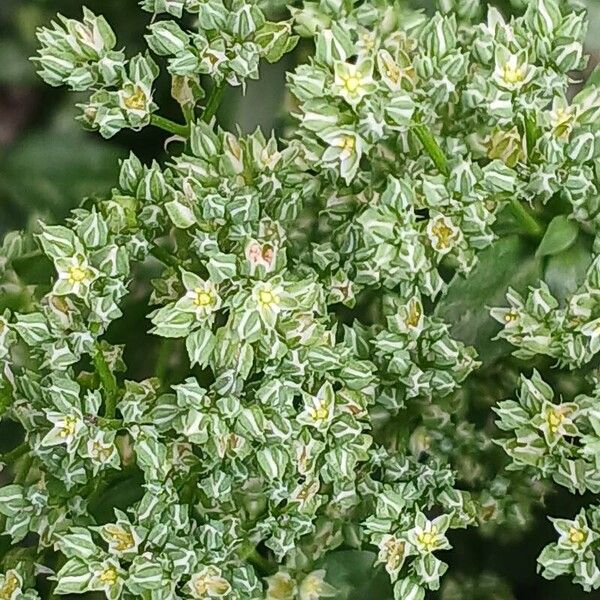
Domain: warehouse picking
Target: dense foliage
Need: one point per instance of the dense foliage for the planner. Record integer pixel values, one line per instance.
(343, 394)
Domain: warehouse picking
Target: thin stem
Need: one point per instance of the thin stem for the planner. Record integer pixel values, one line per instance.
(109, 383)
(164, 256)
(213, 102)
(170, 126)
(431, 147)
(526, 219)
(14, 454)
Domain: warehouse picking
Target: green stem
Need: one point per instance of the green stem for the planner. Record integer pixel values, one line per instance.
(213, 102)
(526, 219)
(164, 256)
(431, 147)
(170, 126)
(109, 383)
(14, 454)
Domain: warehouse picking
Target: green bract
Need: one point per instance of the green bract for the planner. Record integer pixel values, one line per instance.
(331, 394)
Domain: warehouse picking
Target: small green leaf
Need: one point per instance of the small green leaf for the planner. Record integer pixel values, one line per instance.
(507, 262)
(354, 576)
(559, 236)
(565, 271)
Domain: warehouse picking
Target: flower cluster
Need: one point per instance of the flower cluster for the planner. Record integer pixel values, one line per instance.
(322, 403)
(559, 440)
(540, 324)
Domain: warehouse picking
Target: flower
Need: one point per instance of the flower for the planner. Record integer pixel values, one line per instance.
(575, 535)
(135, 98)
(75, 276)
(428, 536)
(281, 586)
(314, 586)
(353, 81)
(442, 233)
(67, 428)
(392, 553)
(512, 71)
(10, 585)
(122, 539)
(208, 583)
(319, 410)
(556, 421)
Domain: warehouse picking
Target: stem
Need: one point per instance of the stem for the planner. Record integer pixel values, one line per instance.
(431, 147)
(164, 256)
(14, 454)
(526, 219)
(213, 102)
(109, 383)
(170, 126)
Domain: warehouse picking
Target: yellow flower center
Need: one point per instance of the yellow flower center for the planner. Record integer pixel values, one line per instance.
(443, 233)
(554, 419)
(68, 428)
(348, 143)
(282, 587)
(351, 83)
(210, 585)
(428, 539)
(512, 74)
(577, 536)
(122, 539)
(414, 314)
(511, 316)
(395, 551)
(319, 414)
(109, 576)
(267, 298)
(11, 585)
(136, 100)
(203, 298)
(77, 274)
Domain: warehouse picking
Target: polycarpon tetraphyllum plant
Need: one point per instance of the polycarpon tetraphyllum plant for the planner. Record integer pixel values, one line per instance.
(332, 289)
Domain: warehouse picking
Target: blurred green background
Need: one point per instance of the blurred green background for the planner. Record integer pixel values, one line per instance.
(48, 165)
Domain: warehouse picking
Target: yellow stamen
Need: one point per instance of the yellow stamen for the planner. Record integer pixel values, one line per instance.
(137, 100)
(203, 298)
(11, 585)
(109, 576)
(68, 428)
(348, 143)
(512, 74)
(577, 536)
(77, 274)
(444, 234)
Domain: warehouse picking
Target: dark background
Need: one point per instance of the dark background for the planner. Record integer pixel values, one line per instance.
(48, 165)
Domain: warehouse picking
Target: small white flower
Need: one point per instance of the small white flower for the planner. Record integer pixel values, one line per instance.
(314, 586)
(208, 583)
(66, 428)
(281, 586)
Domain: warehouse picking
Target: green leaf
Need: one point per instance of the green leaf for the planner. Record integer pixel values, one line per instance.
(507, 262)
(353, 574)
(566, 271)
(560, 235)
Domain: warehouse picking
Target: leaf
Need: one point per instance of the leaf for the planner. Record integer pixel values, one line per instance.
(594, 78)
(353, 574)
(466, 304)
(560, 235)
(565, 272)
